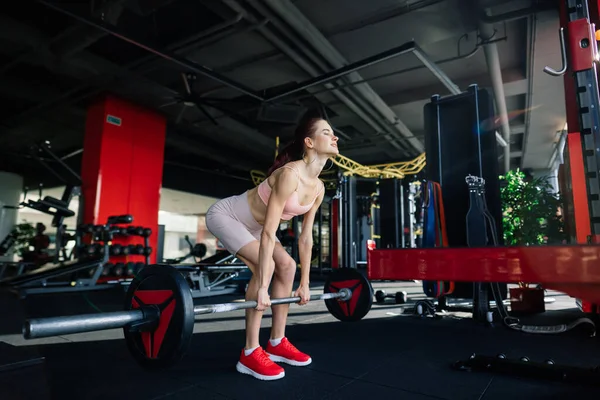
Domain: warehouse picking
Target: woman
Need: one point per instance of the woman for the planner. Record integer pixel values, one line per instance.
(246, 224)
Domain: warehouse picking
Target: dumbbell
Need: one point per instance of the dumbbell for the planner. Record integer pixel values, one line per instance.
(88, 228)
(107, 269)
(116, 250)
(129, 268)
(119, 230)
(135, 230)
(118, 269)
(399, 297)
(92, 249)
(132, 268)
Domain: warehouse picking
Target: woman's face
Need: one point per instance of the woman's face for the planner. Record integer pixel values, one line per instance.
(324, 140)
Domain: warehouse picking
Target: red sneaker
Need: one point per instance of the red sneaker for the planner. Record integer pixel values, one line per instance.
(287, 353)
(259, 365)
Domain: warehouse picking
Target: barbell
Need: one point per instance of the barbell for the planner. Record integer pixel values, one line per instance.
(159, 313)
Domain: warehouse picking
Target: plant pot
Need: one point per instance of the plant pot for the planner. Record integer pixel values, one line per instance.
(527, 301)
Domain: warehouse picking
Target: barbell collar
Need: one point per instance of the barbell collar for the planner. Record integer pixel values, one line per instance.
(36, 328)
(343, 295)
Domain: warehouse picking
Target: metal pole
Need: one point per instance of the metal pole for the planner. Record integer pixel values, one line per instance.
(343, 295)
(337, 73)
(55, 326)
(445, 80)
(192, 66)
(436, 71)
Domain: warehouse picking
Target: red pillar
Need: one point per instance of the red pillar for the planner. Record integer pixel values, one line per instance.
(579, 60)
(122, 167)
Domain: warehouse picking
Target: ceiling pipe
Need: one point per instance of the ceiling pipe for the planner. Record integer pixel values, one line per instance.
(406, 48)
(83, 36)
(446, 81)
(516, 14)
(492, 58)
(277, 40)
(294, 18)
(192, 66)
(201, 39)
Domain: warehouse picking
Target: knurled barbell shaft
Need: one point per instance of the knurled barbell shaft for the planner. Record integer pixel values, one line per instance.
(343, 294)
(46, 327)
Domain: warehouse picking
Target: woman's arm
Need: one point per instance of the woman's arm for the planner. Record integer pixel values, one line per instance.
(285, 185)
(305, 241)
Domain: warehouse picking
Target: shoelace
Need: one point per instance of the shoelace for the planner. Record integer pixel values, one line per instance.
(290, 347)
(262, 357)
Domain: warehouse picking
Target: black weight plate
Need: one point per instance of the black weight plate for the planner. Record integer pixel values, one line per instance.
(164, 286)
(362, 294)
(401, 297)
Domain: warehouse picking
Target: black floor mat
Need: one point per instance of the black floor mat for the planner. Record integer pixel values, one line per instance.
(400, 357)
(396, 357)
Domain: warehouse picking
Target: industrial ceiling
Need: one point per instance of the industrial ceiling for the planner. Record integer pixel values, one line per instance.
(233, 75)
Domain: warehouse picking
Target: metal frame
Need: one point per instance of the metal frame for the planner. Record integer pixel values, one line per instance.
(215, 279)
(46, 285)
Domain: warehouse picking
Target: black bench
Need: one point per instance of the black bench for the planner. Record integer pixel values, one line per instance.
(49, 271)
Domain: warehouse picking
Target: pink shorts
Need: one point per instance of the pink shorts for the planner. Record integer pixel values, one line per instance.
(230, 220)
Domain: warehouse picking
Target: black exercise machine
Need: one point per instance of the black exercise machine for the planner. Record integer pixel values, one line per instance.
(58, 208)
(67, 276)
(217, 275)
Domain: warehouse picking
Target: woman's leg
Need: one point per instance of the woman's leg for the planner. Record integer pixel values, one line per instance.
(283, 281)
(279, 348)
(249, 255)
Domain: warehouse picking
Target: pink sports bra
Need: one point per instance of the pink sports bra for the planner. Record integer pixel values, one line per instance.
(292, 206)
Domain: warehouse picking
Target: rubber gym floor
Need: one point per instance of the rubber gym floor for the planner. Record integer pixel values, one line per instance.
(390, 354)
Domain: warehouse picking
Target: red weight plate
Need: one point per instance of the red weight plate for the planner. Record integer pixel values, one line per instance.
(362, 294)
(168, 341)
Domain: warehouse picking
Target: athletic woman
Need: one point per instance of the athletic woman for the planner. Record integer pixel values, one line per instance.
(246, 225)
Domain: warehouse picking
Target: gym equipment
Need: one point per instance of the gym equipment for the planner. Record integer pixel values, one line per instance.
(217, 275)
(159, 313)
(526, 368)
(197, 250)
(59, 277)
(399, 297)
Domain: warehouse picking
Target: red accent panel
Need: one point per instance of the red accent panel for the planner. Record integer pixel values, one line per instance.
(580, 197)
(540, 264)
(153, 340)
(581, 58)
(163, 324)
(122, 167)
(334, 224)
(587, 307)
(569, 83)
(355, 286)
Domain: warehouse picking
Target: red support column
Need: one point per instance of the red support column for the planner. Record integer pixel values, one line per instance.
(582, 104)
(122, 167)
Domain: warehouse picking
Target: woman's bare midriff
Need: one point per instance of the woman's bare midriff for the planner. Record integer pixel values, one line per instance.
(257, 207)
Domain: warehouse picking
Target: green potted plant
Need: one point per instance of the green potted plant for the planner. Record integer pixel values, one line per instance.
(531, 215)
(531, 212)
(23, 234)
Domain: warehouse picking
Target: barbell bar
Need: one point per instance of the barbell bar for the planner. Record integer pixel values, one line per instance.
(159, 313)
(37, 328)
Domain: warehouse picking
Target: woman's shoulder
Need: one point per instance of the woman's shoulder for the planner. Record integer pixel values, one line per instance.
(286, 172)
(287, 169)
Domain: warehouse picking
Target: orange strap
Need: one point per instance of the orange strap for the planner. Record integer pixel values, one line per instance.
(440, 213)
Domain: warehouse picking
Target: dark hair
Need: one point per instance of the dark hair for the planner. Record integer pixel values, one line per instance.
(294, 151)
